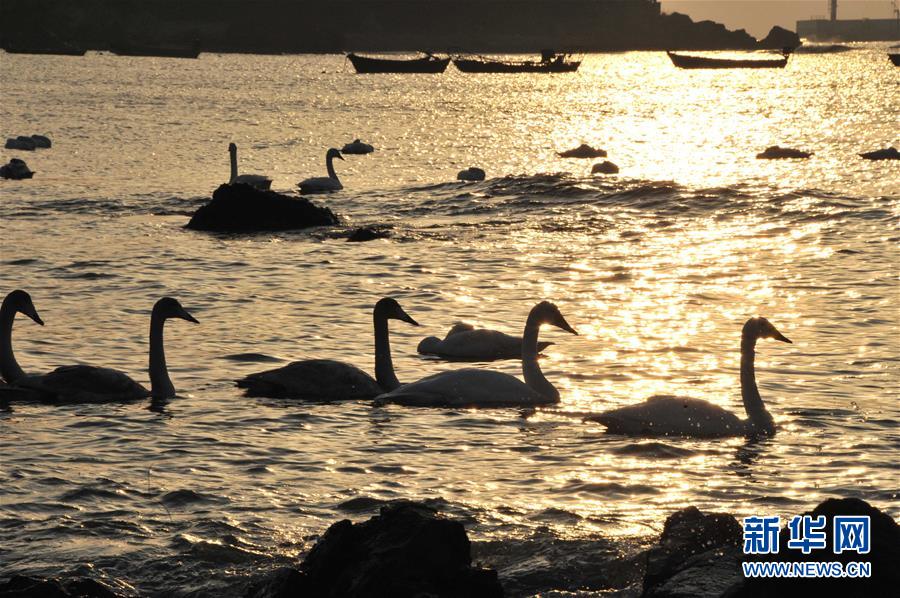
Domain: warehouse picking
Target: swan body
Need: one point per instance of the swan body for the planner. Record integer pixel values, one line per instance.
(680, 416)
(16, 169)
(466, 343)
(357, 147)
(329, 380)
(85, 383)
(472, 387)
(472, 173)
(258, 181)
(323, 184)
(41, 141)
(21, 143)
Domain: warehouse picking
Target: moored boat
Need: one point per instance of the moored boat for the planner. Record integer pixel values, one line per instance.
(895, 58)
(703, 62)
(427, 64)
(550, 62)
(162, 49)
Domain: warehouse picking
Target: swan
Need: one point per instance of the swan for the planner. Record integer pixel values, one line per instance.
(41, 141)
(21, 143)
(680, 416)
(466, 343)
(357, 147)
(472, 387)
(258, 181)
(85, 383)
(329, 380)
(323, 184)
(16, 169)
(473, 173)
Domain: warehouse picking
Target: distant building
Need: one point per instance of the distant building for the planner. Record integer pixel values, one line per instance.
(857, 30)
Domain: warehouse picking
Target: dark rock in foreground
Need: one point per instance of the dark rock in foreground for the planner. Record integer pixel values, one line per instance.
(405, 551)
(605, 167)
(21, 586)
(245, 209)
(891, 153)
(777, 152)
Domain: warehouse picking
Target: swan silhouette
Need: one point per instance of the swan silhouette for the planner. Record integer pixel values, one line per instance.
(357, 147)
(258, 181)
(464, 342)
(85, 383)
(473, 173)
(329, 380)
(681, 416)
(472, 387)
(324, 184)
(16, 169)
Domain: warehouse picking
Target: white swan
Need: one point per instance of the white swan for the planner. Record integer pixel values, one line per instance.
(680, 416)
(85, 383)
(329, 380)
(324, 184)
(464, 342)
(473, 173)
(258, 181)
(471, 387)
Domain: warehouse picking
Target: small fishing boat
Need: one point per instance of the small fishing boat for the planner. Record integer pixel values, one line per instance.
(703, 62)
(427, 64)
(550, 62)
(895, 58)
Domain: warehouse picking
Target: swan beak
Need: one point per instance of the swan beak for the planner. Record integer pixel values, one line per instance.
(565, 326)
(33, 314)
(780, 337)
(339, 156)
(186, 316)
(406, 318)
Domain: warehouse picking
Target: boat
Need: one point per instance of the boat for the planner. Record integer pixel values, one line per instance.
(189, 49)
(550, 62)
(427, 64)
(702, 62)
(895, 58)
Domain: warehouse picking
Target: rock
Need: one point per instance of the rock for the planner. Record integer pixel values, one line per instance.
(583, 151)
(677, 31)
(357, 147)
(698, 555)
(406, 551)
(16, 169)
(472, 173)
(41, 141)
(884, 555)
(368, 233)
(605, 167)
(21, 143)
(777, 153)
(780, 38)
(890, 153)
(242, 208)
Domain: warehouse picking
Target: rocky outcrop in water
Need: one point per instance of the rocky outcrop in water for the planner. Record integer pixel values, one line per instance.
(776, 152)
(245, 209)
(368, 233)
(605, 167)
(780, 38)
(405, 551)
(583, 151)
(890, 153)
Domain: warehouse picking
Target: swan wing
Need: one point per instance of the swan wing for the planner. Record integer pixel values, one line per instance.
(312, 380)
(255, 180)
(85, 384)
(319, 185)
(468, 387)
(672, 416)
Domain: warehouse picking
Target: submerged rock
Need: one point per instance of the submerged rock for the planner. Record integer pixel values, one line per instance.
(583, 151)
(242, 208)
(406, 551)
(16, 169)
(472, 173)
(605, 167)
(776, 152)
(368, 233)
(890, 153)
(357, 147)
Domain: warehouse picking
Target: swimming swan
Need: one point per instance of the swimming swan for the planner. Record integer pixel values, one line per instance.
(329, 380)
(679, 416)
(324, 184)
(258, 181)
(471, 387)
(466, 343)
(85, 383)
(357, 147)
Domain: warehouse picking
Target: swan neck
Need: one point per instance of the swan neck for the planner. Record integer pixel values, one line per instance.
(531, 369)
(160, 383)
(384, 367)
(9, 367)
(329, 164)
(759, 418)
(234, 172)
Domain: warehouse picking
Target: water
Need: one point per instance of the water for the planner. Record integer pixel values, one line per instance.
(657, 268)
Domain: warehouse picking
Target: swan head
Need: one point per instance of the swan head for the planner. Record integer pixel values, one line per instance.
(547, 313)
(20, 301)
(333, 153)
(390, 310)
(232, 148)
(429, 344)
(757, 328)
(167, 307)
